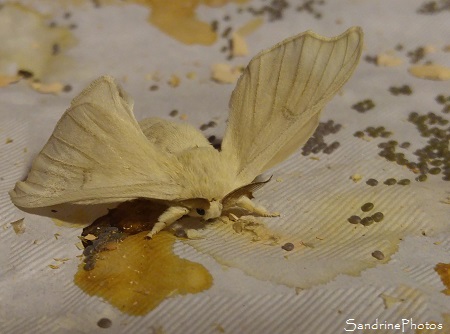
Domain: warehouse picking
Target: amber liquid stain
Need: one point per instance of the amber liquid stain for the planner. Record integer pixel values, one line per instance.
(178, 19)
(140, 273)
(443, 270)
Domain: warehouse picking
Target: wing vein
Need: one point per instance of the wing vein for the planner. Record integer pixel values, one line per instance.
(73, 147)
(277, 85)
(93, 120)
(58, 161)
(307, 84)
(324, 69)
(298, 68)
(256, 92)
(49, 172)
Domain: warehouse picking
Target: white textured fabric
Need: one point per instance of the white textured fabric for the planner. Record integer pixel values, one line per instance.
(331, 275)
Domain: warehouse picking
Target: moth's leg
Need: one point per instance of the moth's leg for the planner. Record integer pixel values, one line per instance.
(246, 203)
(168, 217)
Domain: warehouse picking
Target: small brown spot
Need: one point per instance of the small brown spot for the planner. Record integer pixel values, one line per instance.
(421, 178)
(378, 255)
(358, 134)
(367, 207)
(226, 32)
(25, 74)
(354, 220)
(288, 246)
(378, 216)
(214, 25)
(104, 323)
(364, 105)
(435, 170)
(402, 90)
(67, 88)
(367, 221)
(372, 182)
(55, 49)
(390, 182)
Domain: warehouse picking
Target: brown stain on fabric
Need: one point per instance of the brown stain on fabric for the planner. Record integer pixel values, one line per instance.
(140, 273)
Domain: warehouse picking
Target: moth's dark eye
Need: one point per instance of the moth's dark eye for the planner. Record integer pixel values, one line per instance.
(201, 212)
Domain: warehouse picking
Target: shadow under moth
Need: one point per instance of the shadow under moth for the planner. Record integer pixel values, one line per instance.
(99, 153)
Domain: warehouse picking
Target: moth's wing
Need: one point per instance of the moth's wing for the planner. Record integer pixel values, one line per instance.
(276, 104)
(98, 154)
(172, 137)
(105, 92)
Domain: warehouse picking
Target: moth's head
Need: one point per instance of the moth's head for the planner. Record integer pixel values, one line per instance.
(210, 209)
(203, 208)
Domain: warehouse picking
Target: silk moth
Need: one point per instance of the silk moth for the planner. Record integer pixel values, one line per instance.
(99, 153)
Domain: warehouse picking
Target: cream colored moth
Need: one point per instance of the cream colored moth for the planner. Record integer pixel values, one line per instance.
(99, 153)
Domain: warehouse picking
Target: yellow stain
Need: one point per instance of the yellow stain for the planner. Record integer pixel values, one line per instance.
(140, 273)
(178, 19)
(443, 269)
